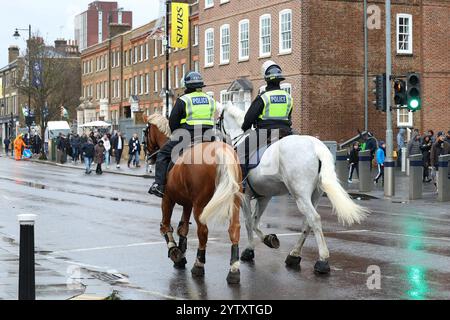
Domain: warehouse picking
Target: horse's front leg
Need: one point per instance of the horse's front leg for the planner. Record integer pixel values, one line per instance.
(183, 231)
(167, 231)
(270, 240)
(234, 276)
(249, 253)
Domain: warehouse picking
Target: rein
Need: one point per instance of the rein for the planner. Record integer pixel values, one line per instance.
(221, 127)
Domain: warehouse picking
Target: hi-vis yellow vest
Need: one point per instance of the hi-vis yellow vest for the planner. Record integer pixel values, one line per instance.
(200, 109)
(277, 105)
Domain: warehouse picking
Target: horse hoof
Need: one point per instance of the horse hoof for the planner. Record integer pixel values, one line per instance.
(176, 255)
(248, 255)
(322, 268)
(272, 241)
(198, 272)
(181, 264)
(234, 277)
(293, 262)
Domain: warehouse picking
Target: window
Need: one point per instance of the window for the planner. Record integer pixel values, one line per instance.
(183, 71)
(126, 88)
(265, 35)
(286, 31)
(147, 51)
(209, 47)
(163, 82)
(404, 34)
(405, 118)
(209, 4)
(244, 40)
(196, 35)
(147, 83)
(125, 58)
(225, 96)
(118, 59)
(177, 78)
(142, 85)
(155, 54)
(136, 53)
(196, 66)
(155, 77)
(163, 47)
(170, 78)
(225, 44)
(136, 86)
(141, 56)
(286, 87)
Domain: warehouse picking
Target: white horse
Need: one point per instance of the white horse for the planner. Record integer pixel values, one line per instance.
(303, 167)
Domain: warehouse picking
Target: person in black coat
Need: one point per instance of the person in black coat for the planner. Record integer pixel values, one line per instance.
(134, 151)
(118, 144)
(88, 152)
(354, 161)
(426, 146)
(7, 142)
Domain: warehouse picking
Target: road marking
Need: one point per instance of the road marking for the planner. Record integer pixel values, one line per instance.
(132, 245)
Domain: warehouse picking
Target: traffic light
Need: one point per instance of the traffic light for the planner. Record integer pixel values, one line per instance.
(380, 92)
(400, 92)
(414, 100)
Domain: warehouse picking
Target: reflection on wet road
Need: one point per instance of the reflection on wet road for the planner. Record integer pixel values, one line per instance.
(108, 227)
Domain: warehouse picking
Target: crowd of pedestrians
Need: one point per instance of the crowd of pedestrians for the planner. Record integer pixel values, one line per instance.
(430, 145)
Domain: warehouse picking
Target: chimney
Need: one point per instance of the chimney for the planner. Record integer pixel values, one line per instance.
(116, 29)
(60, 45)
(13, 53)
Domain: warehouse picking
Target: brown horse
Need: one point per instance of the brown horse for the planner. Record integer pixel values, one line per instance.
(211, 188)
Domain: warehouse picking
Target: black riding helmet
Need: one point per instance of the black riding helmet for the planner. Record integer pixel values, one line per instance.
(193, 80)
(274, 73)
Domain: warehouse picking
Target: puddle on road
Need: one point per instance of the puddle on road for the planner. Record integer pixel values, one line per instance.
(40, 186)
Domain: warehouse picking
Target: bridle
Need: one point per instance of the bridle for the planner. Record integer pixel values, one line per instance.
(155, 150)
(221, 127)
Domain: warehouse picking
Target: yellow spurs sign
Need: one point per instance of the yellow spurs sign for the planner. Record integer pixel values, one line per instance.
(180, 25)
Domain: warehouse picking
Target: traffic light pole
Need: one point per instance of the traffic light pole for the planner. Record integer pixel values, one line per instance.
(389, 165)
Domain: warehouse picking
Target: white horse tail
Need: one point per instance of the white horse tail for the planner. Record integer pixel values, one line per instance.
(348, 212)
(228, 188)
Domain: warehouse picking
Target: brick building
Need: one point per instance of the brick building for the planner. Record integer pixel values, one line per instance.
(126, 73)
(320, 45)
(92, 26)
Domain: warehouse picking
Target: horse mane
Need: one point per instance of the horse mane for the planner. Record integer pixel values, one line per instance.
(235, 112)
(161, 123)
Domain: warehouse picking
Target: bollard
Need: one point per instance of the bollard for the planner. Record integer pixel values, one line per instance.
(27, 285)
(416, 177)
(342, 167)
(443, 180)
(404, 157)
(365, 176)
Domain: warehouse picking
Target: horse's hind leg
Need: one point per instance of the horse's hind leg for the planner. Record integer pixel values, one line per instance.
(234, 276)
(314, 220)
(167, 231)
(183, 231)
(295, 257)
(249, 252)
(270, 240)
(202, 231)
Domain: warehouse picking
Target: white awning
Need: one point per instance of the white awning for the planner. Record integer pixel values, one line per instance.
(96, 124)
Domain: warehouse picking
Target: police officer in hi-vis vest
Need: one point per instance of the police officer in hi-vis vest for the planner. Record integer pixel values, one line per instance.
(271, 110)
(194, 112)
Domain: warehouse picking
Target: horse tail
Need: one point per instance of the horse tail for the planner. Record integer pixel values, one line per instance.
(347, 210)
(228, 187)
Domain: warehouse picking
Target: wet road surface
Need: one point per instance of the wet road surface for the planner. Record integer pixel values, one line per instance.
(107, 228)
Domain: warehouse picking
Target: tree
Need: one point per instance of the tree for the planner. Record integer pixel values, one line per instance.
(55, 82)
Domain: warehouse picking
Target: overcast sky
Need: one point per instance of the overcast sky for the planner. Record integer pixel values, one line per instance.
(55, 19)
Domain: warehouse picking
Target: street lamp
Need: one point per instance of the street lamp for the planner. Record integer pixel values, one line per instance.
(16, 35)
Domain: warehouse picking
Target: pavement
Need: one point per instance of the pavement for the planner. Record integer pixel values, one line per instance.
(99, 235)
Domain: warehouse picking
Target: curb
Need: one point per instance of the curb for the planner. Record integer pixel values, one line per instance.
(49, 163)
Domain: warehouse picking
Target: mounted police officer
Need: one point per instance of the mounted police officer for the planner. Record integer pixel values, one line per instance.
(271, 110)
(193, 112)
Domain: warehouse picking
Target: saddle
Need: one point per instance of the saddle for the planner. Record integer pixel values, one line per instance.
(195, 141)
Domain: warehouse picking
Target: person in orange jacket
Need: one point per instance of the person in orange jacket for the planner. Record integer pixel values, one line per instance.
(19, 144)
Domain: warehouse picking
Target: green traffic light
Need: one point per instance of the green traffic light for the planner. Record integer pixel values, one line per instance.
(414, 104)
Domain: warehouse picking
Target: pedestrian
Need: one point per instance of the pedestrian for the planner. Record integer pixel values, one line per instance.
(134, 151)
(75, 143)
(440, 148)
(118, 144)
(354, 161)
(99, 156)
(426, 152)
(93, 137)
(37, 146)
(380, 157)
(107, 145)
(432, 137)
(401, 143)
(448, 136)
(19, 145)
(61, 147)
(414, 144)
(88, 152)
(7, 142)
